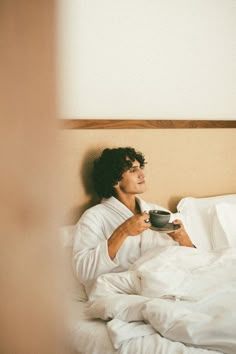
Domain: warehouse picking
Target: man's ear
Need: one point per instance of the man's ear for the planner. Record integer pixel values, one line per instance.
(116, 186)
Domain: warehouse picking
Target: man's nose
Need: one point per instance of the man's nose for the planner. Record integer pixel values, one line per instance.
(141, 173)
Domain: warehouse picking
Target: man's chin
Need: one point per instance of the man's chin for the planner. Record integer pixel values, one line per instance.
(142, 188)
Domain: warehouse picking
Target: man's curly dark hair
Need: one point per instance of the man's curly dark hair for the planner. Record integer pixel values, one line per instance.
(110, 166)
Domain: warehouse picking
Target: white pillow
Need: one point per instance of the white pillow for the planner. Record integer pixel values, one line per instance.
(223, 225)
(196, 218)
(75, 288)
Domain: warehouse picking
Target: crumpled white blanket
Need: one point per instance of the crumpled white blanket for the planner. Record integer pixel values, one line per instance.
(184, 294)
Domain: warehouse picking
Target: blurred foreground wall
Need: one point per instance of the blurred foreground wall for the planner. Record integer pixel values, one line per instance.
(32, 297)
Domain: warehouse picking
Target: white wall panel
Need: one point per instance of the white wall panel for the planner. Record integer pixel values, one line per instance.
(147, 59)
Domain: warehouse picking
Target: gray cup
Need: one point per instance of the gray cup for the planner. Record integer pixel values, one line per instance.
(159, 218)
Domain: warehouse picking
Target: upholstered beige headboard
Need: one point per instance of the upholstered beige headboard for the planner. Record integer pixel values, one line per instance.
(185, 158)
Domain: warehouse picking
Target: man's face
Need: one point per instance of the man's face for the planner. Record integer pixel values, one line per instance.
(133, 180)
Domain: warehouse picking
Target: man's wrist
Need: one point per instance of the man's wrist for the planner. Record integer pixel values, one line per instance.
(185, 241)
(115, 241)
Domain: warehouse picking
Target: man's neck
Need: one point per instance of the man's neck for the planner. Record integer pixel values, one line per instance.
(130, 202)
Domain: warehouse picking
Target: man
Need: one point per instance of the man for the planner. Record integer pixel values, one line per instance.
(115, 233)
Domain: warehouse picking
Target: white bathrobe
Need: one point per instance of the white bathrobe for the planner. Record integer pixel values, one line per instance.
(90, 252)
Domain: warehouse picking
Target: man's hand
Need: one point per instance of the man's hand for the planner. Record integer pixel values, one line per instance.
(136, 224)
(181, 235)
(131, 227)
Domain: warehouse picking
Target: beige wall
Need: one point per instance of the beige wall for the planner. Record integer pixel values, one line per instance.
(181, 162)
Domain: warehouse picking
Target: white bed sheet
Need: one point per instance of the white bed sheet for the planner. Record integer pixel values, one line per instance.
(87, 336)
(91, 337)
(187, 295)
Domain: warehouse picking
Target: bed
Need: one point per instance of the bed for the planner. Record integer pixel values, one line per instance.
(115, 320)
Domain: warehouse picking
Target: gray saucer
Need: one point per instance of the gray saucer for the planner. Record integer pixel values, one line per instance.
(170, 227)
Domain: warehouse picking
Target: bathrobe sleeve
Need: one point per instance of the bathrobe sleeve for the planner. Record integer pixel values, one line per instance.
(90, 250)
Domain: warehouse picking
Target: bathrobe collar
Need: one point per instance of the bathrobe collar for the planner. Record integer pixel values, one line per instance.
(114, 204)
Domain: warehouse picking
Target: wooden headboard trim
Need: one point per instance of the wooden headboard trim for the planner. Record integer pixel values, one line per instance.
(144, 124)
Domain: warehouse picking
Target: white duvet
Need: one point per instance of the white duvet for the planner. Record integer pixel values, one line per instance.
(183, 294)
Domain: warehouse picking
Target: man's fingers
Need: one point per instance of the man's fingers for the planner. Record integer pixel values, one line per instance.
(147, 221)
(145, 213)
(145, 216)
(178, 222)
